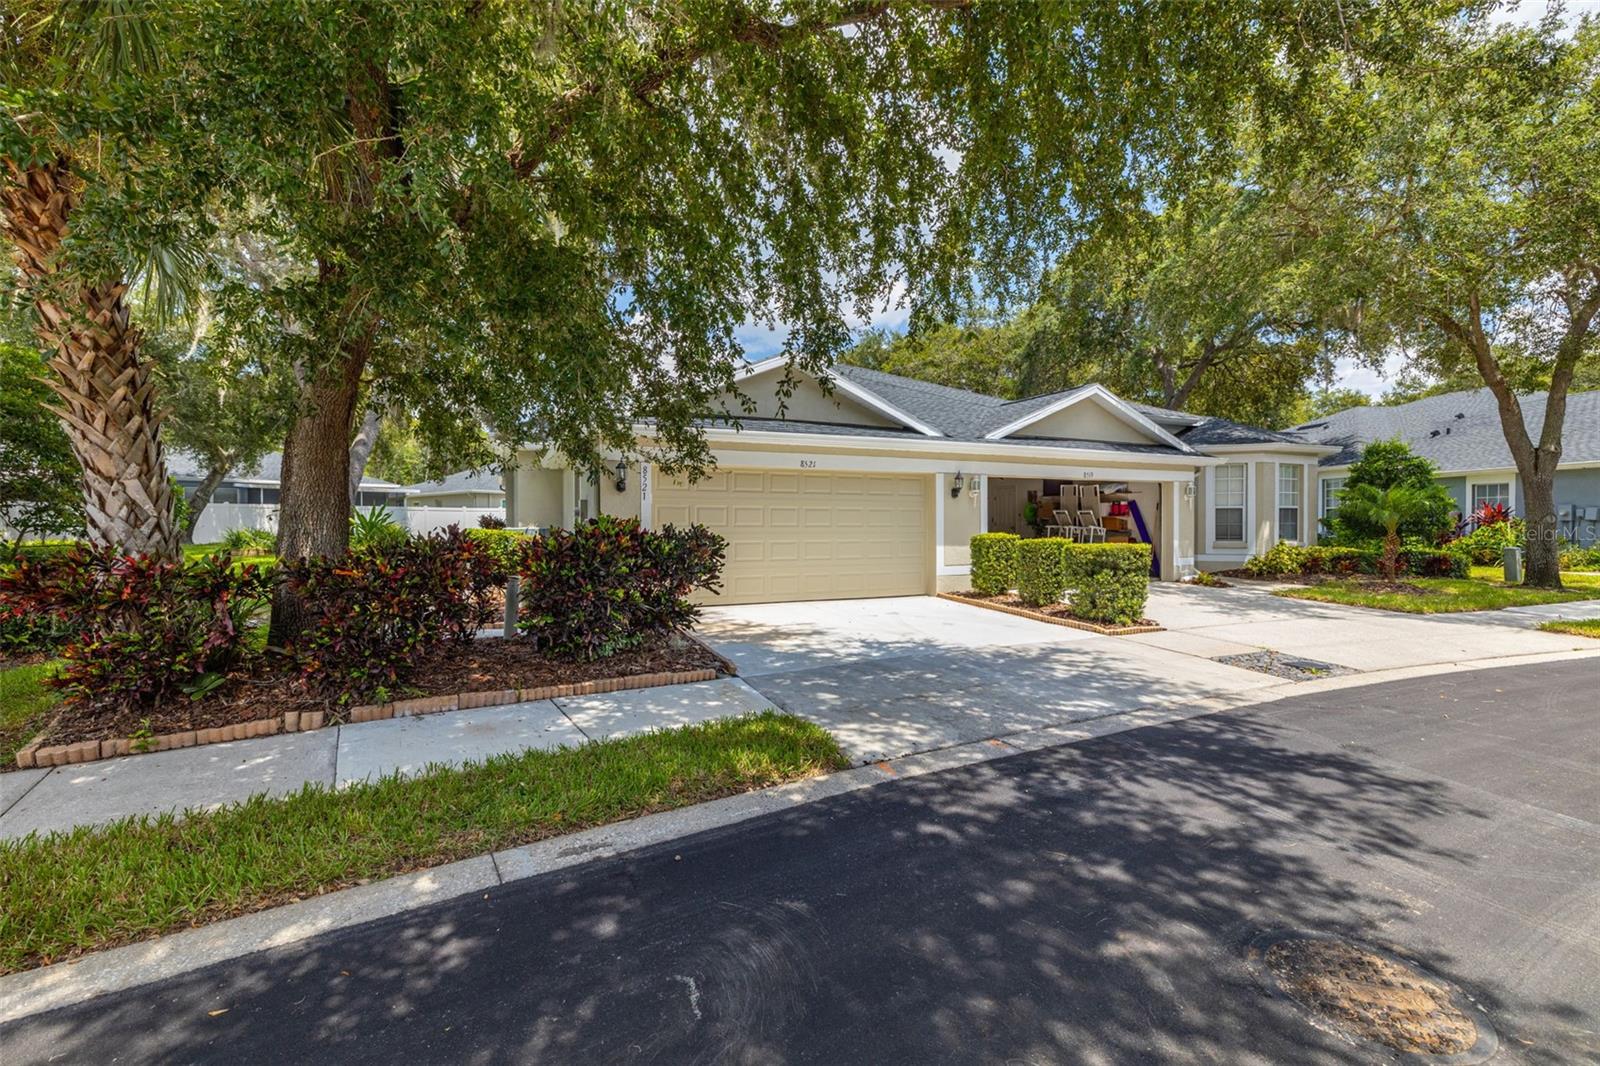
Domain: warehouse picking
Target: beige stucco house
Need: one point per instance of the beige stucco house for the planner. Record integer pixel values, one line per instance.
(875, 486)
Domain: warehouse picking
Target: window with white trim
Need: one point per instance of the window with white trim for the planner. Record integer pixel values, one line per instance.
(1289, 502)
(1228, 481)
(1491, 492)
(1331, 487)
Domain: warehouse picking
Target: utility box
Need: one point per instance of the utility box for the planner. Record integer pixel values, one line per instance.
(1513, 560)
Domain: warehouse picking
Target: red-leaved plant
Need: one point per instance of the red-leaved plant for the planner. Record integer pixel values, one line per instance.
(138, 630)
(611, 585)
(372, 615)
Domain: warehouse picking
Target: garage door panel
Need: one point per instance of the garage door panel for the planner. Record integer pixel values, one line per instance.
(810, 536)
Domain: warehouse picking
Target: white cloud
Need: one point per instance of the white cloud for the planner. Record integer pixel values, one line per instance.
(1349, 374)
(1529, 12)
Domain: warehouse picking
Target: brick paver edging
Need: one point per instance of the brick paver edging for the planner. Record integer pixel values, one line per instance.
(1070, 623)
(35, 755)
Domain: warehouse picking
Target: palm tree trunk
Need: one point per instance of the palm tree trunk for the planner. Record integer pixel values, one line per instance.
(107, 393)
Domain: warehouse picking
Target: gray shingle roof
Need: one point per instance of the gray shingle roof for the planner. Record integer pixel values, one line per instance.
(1458, 431)
(963, 415)
(268, 472)
(1208, 429)
(460, 481)
(793, 425)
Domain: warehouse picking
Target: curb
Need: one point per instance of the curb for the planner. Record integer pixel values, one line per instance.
(61, 984)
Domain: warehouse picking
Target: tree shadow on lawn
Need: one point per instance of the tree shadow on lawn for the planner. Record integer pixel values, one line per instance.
(1086, 903)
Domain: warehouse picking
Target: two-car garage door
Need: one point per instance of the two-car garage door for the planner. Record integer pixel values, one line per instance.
(810, 536)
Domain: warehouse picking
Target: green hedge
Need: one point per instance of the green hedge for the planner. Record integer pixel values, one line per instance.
(1042, 570)
(1109, 582)
(504, 546)
(994, 563)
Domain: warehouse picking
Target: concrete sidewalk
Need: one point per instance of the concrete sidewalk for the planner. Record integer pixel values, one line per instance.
(208, 777)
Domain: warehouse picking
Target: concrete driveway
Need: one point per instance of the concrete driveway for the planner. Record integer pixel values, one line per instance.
(891, 677)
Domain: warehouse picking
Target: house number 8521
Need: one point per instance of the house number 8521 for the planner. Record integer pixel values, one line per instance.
(808, 464)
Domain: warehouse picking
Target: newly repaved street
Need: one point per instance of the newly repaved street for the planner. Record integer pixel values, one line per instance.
(1078, 904)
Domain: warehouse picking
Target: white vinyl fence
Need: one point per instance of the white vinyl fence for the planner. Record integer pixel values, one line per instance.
(220, 518)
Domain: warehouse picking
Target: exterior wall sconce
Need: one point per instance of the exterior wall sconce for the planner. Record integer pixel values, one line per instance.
(976, 482)
(955, 485)
(622, 475)
(1188, 489)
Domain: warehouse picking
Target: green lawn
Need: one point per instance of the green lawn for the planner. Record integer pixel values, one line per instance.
(191, 552)
(25, 704)
(1482, 592)
(96, 887)
(1578, 627)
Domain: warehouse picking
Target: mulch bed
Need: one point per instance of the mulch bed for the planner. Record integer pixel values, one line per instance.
(1059, 612)
(485, 663)
(27, 658)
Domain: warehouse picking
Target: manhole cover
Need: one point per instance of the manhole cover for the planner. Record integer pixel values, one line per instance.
(1374, 996)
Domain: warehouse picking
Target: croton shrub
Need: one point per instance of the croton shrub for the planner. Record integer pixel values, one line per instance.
(994, 563)
(373, 614)
(611, 585)
(1294, 560)
(135, 630)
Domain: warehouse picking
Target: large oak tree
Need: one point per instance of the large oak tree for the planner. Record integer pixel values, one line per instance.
(1465, 228)
(556, 216)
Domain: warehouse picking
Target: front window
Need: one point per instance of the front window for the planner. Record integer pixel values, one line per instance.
(1229, 482)
(1288, 502)
(1331, 487)
(1492, 492)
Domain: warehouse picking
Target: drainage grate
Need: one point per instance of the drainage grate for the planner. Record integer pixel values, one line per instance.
(1371, 995)
(1292, 668)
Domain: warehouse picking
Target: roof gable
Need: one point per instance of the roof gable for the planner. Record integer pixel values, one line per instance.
(1089, 412)
(850, 403)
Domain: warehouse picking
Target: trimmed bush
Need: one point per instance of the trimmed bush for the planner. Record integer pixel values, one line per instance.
(611, 585)
(1042, 570)
(1280, 559)
(504, 547)
(1110, 582)
(140, 630)
(373, 614)
(994, 563)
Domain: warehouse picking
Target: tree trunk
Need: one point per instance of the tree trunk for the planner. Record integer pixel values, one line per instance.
(107, 393)
(201, 496)
(361, 449)
(314, 509)
(1542, 556)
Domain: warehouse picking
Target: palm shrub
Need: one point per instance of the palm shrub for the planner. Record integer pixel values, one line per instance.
(1389, 509)
(1387, 464)
(994, 563)
(376, 529)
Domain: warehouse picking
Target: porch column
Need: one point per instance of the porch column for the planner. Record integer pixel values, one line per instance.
(1171, 528)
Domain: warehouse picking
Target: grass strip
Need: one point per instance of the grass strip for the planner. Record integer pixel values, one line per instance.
(96, 887)
(25, 705)
(1578, 627)
(1440, 595)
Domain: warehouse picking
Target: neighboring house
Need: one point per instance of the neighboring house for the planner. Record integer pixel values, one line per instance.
(464, 488)
(877, 489)
(1460, 433)
(260, 486)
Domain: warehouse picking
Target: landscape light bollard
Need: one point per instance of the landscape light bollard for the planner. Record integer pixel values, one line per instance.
(513, 590)
(1513, 562)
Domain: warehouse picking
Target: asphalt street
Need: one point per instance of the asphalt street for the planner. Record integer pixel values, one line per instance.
(1084, 904)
